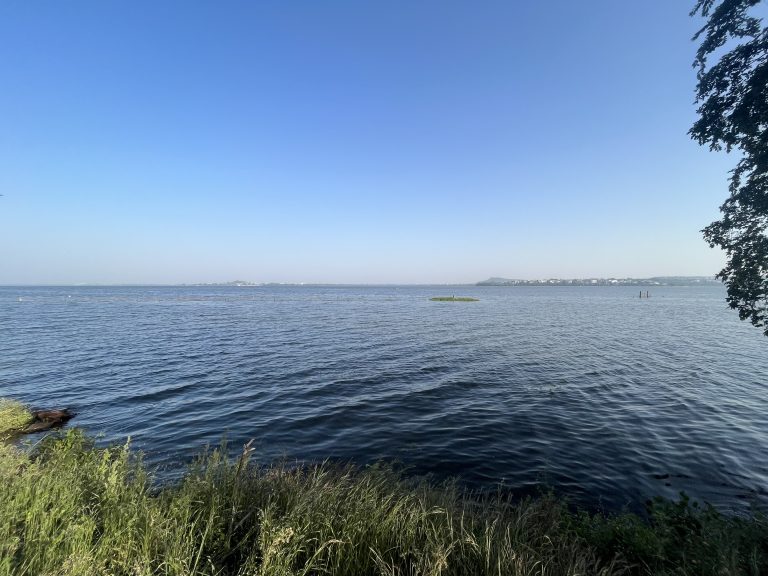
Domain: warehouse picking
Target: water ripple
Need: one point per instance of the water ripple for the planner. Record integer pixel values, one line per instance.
(609, 398)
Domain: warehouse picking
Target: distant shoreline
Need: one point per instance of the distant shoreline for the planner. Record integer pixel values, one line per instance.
(494, 282)
(652, 281)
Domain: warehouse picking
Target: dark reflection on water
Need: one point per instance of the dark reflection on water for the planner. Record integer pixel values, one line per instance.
(607, 397)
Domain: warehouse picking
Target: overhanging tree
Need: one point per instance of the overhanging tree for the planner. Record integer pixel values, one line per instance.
(732, 95)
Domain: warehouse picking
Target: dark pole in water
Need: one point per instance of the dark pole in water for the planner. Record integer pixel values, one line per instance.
(641, 293)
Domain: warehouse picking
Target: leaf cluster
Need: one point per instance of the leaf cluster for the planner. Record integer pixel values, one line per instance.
(732, 99)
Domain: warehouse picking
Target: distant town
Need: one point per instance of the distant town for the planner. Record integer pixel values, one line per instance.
(655, 281)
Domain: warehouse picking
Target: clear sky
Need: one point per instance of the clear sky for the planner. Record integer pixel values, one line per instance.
(384, 141)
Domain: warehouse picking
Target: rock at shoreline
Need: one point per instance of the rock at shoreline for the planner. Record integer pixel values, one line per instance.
(46, 419)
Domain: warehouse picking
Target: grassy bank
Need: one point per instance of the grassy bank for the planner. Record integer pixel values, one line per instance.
(13, 417)
(70, 508)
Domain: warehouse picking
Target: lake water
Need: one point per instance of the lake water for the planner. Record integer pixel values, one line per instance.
(607, 397)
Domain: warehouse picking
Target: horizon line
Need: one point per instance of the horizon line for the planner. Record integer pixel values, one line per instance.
(246, 283)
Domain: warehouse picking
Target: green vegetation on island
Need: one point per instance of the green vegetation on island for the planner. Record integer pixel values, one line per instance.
(68, 507)
(453, 299)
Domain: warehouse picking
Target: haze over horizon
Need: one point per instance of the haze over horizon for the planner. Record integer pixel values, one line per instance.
(346, 143)
(244, 281)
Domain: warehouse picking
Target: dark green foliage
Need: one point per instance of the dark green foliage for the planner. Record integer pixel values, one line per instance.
(732, 95)
(682, 538)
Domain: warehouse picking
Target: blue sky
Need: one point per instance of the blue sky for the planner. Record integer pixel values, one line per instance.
(427, 141)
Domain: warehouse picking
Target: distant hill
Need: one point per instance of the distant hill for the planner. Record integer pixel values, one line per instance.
(654, 281)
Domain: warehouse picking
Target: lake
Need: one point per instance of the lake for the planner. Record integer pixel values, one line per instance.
(606, 397)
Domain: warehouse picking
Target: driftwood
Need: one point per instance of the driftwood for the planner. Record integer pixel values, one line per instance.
(46, 419)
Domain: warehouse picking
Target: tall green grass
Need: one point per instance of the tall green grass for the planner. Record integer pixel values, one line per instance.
(13, 417)
(70, 508)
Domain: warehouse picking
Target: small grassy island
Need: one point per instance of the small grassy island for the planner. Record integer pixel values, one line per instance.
(453, 299)
(69, 507)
